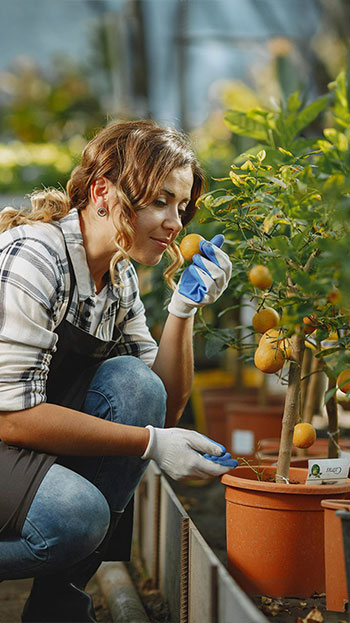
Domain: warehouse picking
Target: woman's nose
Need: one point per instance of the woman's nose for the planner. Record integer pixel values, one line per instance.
(173, 221)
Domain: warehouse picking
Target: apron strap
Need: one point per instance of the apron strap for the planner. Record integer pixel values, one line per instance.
(71, 283)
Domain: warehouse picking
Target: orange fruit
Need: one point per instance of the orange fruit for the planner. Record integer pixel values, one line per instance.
(304, 435)
(310, 323)
(189, 245)
(260, 277)
(265, 319)
(268, 359)
(344, 377)
(274, 338)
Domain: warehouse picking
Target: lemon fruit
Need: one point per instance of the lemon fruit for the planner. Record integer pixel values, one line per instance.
(304, 435)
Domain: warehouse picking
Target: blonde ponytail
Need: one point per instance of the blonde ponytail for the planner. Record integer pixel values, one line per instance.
(46, 206)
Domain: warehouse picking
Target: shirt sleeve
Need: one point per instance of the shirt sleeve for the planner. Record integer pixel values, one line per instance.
(31, 295)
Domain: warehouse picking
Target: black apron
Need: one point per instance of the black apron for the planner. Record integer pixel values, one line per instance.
(72, 368)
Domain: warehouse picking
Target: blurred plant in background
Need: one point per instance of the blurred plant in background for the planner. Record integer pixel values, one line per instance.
(45, 117)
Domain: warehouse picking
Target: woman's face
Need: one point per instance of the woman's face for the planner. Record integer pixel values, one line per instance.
(157, 225)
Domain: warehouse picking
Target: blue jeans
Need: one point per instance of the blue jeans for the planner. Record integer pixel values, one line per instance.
(70, 513)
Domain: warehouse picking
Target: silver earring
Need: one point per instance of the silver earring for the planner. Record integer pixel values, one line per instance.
(102, 211)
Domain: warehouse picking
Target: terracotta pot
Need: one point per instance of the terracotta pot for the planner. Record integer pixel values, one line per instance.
(275, 542)
(335, 572)
(248, 423)
(214, 400)
(269, 448)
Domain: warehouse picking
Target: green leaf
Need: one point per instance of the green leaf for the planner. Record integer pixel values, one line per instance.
(278, 269)
(304, 281)
(294, 102)
(213, 346)
(282, 244)
(244, 125)
(277, 181)
(307, 115)
(329, 394)
(328, 351)
(222, 200)
(298, 241)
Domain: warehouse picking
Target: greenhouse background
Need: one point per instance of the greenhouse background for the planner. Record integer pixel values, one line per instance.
(69, 67)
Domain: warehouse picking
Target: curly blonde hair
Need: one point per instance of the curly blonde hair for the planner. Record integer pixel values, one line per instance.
(136, 156)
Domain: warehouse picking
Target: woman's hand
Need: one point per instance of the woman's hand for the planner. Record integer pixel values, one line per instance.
(204, 280)
(183, 453)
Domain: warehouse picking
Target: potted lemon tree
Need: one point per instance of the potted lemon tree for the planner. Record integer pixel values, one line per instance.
(282, 209)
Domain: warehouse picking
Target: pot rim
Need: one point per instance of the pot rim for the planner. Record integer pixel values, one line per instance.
(243, 477)
(336, 504)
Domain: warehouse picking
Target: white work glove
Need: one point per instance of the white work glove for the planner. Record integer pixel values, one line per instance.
(204, 280)
(183, 453)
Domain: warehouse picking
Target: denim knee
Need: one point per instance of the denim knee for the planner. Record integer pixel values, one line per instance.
(126, 390)
(67, 520)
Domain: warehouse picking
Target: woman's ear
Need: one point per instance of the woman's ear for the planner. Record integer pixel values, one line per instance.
(99, 190)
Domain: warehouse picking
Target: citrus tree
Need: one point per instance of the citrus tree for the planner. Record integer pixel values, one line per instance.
(283, 208)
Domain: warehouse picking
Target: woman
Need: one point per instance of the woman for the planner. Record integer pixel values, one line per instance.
(74, 344)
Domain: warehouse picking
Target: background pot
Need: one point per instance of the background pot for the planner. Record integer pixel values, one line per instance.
(236, 419)
(275, 533)
(247, 423)
(335, 544)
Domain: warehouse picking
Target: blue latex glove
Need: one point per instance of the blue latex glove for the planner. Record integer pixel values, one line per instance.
(204, 280)
(225, 459)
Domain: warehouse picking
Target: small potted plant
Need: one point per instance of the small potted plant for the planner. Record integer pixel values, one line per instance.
(280, 209)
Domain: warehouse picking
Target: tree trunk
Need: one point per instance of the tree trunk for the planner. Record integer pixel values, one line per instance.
(332, 412)
(305, 369)
(291, 409)
(311, 394)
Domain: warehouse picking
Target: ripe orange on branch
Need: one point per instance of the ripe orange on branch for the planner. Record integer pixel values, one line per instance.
(275, 339)
(189, 246)
(344, 377)
(269, 359)
(260, 277)
(310, 323)
(304, 435)
(265, 319)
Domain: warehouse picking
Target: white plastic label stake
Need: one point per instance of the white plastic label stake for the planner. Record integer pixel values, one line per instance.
(242, 441)
(325, 471)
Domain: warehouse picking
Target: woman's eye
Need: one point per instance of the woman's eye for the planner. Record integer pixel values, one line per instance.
(160, 203)
(183, 210)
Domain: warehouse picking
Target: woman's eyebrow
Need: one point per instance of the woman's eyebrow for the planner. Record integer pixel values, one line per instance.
(171, 194)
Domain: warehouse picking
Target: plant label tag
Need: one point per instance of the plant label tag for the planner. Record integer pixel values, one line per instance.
(242, 441)
(327, 471)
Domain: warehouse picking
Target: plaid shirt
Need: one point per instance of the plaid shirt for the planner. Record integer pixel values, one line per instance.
(34, 277)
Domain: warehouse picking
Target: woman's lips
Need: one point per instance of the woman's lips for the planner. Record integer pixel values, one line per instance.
(163, 244)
